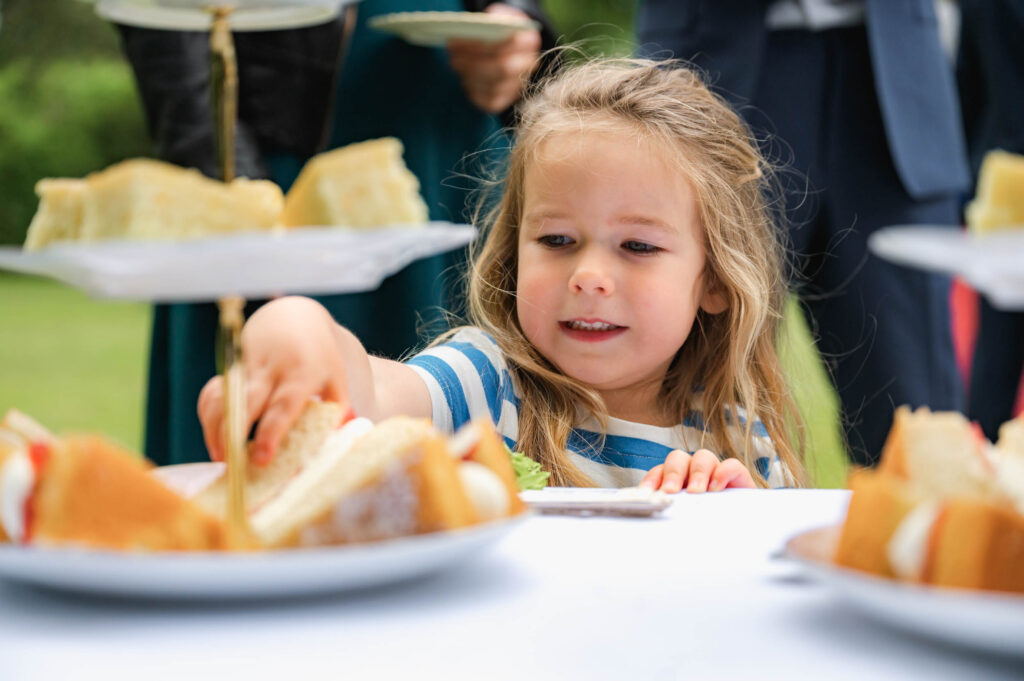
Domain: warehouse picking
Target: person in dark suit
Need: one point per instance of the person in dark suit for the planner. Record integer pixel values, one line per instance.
(300, 92)
(859, 99)
(990, 72)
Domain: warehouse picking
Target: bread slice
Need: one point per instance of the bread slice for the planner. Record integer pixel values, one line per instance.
(360, 185)
(939, 453)
(301, 444)
(90, 492)
(879, 504)
(21, 425)
(977, 545)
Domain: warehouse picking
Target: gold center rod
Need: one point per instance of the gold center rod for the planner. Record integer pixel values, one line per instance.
(224, 85)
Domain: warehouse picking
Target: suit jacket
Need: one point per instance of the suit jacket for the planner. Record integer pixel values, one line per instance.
(913, 77)
(990, 73)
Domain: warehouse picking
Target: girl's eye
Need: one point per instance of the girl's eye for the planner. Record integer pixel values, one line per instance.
(640, 247)
(554, 240)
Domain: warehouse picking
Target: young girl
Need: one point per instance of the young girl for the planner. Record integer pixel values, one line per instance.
(624, 305)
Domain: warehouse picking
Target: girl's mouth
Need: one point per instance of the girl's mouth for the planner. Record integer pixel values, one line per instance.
(590, 330)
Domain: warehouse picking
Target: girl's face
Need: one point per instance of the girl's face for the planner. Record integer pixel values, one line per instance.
(611, 258)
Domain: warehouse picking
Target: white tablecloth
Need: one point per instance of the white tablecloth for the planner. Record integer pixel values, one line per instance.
(696, 593)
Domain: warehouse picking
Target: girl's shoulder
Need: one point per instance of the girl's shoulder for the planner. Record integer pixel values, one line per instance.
(466, 338)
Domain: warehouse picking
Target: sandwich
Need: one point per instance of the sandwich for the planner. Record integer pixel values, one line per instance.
(84, 490)
(940, 509)
(338, 479)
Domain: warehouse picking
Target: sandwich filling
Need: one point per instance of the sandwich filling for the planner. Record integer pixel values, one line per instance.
(908, 548)
(17, 478)
(1010, 479)
(486, 491)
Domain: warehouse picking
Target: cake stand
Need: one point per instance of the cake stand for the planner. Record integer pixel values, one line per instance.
(991, 263)
(227, 269)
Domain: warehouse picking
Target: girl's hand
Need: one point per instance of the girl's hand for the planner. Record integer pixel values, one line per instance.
(701, 472)
(291, 354)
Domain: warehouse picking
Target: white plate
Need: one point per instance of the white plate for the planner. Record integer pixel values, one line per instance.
(988, 621)
(435, 29)
(192, 15)
(251, 264)
(271, 574)
(992, 263)
(627, 501)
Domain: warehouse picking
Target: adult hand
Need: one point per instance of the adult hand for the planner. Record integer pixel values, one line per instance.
(701, 472)
(493, 74)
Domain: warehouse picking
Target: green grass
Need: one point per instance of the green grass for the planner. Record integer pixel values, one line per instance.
(76, 363)
(72, 362)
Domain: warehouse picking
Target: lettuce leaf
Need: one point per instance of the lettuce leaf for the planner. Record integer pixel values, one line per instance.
(529, 474)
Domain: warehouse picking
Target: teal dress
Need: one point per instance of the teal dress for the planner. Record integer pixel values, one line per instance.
(387, 87)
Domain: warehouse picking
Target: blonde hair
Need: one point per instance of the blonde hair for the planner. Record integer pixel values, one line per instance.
(731, 355)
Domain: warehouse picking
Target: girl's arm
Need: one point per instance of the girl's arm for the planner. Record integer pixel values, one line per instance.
(293, 350)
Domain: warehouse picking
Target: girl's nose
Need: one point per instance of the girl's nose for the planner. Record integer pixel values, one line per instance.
(591, 276)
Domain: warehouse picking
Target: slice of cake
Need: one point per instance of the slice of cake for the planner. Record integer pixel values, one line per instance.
(999, 201)
(361, 185)
(59, 217)
(146, 199)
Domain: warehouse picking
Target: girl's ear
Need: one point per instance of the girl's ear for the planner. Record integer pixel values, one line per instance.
(714, 300)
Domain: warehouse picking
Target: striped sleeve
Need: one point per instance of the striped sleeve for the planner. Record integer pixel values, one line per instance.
(467, 378)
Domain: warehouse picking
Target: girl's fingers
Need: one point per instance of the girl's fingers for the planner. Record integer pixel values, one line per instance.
(653, 478)
(257, 392)
(731, 473)
(677, 465)
(211, 415)
(702, 465)
(211, 410)
(285, 404)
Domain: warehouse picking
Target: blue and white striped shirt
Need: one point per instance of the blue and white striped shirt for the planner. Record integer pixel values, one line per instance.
(467, 377)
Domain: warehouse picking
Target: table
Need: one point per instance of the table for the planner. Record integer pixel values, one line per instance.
(696, 593)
